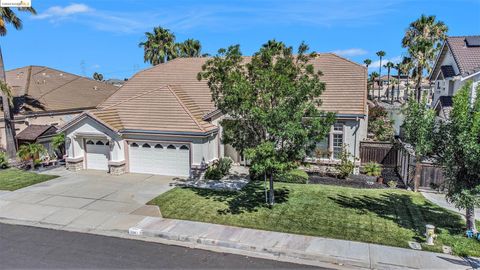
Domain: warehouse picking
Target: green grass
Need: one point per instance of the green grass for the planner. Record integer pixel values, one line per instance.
(13, 179)
(388, 217)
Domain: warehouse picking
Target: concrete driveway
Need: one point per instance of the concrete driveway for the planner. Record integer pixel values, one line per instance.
(86, 197)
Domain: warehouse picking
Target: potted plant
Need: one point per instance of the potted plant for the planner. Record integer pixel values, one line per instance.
(31, 153)
(374, 170)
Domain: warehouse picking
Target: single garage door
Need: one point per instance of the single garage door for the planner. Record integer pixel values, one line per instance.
(159, 158)
(97, 154)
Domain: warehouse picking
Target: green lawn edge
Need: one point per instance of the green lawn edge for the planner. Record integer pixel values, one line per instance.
(13, 179)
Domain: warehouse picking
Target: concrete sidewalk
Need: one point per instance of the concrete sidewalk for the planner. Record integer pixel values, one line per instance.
(440, 200)
(307, 248)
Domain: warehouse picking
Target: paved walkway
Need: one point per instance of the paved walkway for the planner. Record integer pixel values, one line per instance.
(439, 199)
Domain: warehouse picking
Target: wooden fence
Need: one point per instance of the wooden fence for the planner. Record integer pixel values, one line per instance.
(400, 156)
(384, 153)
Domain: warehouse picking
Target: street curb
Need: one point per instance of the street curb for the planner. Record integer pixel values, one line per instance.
(290, 255)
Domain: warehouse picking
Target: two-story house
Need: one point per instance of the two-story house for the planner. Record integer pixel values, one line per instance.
(457, 62)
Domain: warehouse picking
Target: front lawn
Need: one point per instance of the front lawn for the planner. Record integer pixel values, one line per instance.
(382, 216)
(13, 179)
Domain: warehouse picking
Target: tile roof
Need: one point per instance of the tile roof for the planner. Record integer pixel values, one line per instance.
(169, 97)
(32, 132)
(57, 90)
(447, 71)
(467, 57)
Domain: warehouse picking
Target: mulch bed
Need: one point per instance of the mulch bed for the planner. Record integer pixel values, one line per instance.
(356, 181)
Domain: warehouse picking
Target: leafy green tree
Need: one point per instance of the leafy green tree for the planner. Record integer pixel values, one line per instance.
(272, 105)
(458, 150)
(418, 128)
(159, 47)
(380, 54)
(8, 17)
(423, 39)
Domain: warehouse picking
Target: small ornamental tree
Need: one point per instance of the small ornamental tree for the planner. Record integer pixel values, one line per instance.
(418, 128)
(271, 105)
(459, 153)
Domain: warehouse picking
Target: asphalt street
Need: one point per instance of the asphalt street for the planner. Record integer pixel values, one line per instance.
(31, 247)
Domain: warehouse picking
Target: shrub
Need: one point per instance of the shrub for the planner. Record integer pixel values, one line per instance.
(224, 165)
(392, 184)
(346, 166)
(294, 176)
(213, 173)
(373, 169)
(3, 160)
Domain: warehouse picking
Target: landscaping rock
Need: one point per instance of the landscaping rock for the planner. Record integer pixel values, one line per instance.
(232, 185)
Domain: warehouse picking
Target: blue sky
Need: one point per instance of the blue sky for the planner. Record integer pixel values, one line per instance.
(103, 35)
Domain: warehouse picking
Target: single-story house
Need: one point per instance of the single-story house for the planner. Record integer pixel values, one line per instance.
(46, 96)
(457, 62)
(163, 120)
(41, 134)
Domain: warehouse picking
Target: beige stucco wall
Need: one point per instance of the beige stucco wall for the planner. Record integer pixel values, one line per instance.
(35, 120)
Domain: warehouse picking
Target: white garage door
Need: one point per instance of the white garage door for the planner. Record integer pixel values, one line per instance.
(97, 154)
(159, 158)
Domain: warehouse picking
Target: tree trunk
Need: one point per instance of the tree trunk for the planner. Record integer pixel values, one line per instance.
(271, 195)
(470, 216)
(8, 120)
(398, 86)
(265, 186)
(388, 86)
(418, 169)
(379, 78)
(419, 84)
(407, 95)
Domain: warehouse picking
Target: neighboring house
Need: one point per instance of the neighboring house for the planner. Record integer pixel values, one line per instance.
(400, 92)
(38, 134)
(457, 62)
(163, 120)
(48, 97)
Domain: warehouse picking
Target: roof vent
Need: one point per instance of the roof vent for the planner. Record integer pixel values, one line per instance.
(44, 74)
(95, 88)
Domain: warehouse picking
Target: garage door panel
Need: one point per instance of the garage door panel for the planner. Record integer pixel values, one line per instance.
(97, 153)
(158, 159)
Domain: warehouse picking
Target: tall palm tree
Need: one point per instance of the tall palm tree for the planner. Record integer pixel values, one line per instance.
(389, 65)
(159, 47)
(190, 48)
(8, 17)
(373, 77)
(423, 39)
(367, 63)
(397, 67)
(380, 54)
(406, 67)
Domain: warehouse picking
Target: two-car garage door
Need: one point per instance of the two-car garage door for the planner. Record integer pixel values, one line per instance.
(159, 158)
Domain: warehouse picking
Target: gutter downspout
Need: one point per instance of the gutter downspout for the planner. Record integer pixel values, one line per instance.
(355, 141)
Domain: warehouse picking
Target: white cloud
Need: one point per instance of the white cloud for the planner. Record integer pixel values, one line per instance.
(58, 12)
(351, 52)
(376, 64)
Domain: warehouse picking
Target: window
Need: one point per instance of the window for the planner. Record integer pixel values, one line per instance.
(146, 145)
(100, 143)
(107, 143)
(134, 145)
(184, 147)
(338, 126)
(337, 145)
(171, 146)
(158, 146)
(90, 142)
(322, 149)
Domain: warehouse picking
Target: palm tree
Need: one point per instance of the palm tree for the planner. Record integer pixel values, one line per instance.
(190, 48)
(380, 54)
(397, 67)
(373, 76)
(58, 144)
(389, 65)
(31, 152)
(159, 47)
(8, 16)
(406, 67)
(367, 63)
(423, 38)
